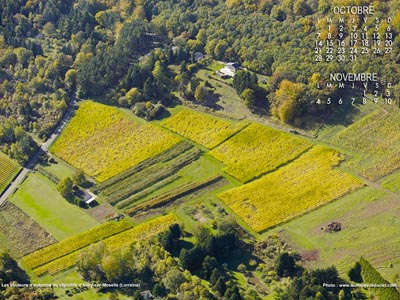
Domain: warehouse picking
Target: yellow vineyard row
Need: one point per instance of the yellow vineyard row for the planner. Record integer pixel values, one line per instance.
(124, 239)
(8, 168)
(103, 142)
(74, 243)
(200, 128)
(304, 184)
(258, 149)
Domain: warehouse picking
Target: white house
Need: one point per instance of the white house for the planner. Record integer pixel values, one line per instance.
(229, 70)
(226, 72)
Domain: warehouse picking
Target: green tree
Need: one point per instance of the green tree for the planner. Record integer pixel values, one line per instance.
(355, 273)
(244, 80)
(173, 280)
(285, 265)
(159, 290)
(133, 96)
(208, 266)
(200, 93)
(79, 178)
(70, 78)
(89, 262)
(248, 97)
(65, 188)
(10, 271)
(220, 286)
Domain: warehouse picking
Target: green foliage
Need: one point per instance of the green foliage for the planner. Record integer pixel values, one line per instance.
(371, 276)
(220, 286)
(355, 273)
(220, 245)
(10, 271)
(191, 259)
(173, 280)
(65, 188)
(244, 80)
(200, 93)
(310, 285)
(79, 178)
(159, 290)
(248, 97)
(285, 265)
(208, 266)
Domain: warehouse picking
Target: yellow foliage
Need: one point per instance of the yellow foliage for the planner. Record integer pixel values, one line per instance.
(102, 141)
(286, 98)
(8, 168)
(256, 150)
(304, 184)
(74, 243)
(121, 240)
(232, 3)
(201, 128)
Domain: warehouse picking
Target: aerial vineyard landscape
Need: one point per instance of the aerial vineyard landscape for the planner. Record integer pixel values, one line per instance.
(257, 150)
(102, 142)
(199, 150)
(292, 190)
(67, 255)
(377, 136)
(203, 129)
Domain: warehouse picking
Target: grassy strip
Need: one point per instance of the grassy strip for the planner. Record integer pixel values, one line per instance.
(67, 246)
(172, 195)
(141, 180)
(47, 174)
(132, 199)
(165, 156)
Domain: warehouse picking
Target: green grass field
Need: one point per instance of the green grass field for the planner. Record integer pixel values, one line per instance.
(392, 182)
(61, 169)
(8, 169)
(370, 223)
(39, 198)
(226, 96)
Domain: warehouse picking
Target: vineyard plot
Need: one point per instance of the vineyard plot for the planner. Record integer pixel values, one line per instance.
(302, 185)
(113, 243)
(258, 149)
(8, 169)
(376, 141)
(201, 128)
(103, 142)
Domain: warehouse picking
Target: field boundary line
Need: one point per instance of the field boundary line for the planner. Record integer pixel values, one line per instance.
(231, 136)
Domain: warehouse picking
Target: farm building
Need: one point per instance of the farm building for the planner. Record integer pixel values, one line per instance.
(229, 70)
